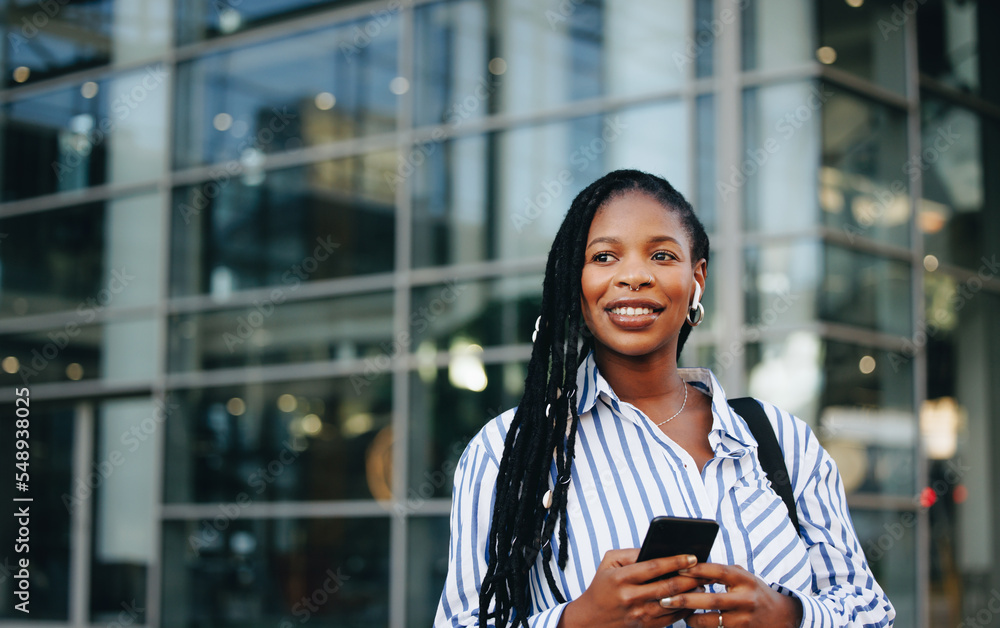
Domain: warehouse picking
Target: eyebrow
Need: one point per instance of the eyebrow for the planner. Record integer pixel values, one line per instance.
(614, 240)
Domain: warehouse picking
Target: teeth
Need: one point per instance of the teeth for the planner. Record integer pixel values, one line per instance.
(631, 311)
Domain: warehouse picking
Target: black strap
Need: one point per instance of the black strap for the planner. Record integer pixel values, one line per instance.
(768, 451)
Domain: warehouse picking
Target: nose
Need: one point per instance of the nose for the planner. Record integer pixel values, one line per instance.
(633, 277)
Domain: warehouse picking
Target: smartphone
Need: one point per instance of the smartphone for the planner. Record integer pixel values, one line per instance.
(672, 536)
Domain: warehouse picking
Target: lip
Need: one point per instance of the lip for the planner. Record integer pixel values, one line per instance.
(636, 321)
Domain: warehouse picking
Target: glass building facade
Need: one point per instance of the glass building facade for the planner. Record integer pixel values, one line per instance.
(267, 265)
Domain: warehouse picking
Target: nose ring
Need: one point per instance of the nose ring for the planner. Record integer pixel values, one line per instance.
(636, 288)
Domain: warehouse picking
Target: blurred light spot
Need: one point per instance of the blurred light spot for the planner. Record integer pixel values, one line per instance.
(399, 86)
(10, 364)
(236, 406)
(378, 464)
(931, 263)
(960, 494)
(928, 497)
(229, 20)
(465, 369)
(497, 66)
(89, 89)
(358, 424)
(855, 3)
(287, 402)
(867, 364)
(21, 74)
(81, 124)
(826, 55)
(312, 424)
(74, 371)
(325, 101)
(940, 422)
(222, 121)
(239, 128)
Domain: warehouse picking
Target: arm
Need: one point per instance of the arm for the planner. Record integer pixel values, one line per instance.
(471, 512)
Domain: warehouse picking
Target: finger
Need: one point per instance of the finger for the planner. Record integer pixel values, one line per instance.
(672, 586)
(703, 601)
(709, 620)
(649, 569)
(729, 575)
(619, 557)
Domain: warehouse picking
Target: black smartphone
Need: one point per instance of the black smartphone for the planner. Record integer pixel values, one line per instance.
(672, 536)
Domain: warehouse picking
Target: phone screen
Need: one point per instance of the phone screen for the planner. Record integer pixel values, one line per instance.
(672, 536)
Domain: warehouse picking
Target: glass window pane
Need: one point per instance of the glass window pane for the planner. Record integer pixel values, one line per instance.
(781, 145)
(865, 177)
(287, 441)
(107, 131)
(867, 40)
(448, 406)
(948, 32)
(544, 57)
(705, 200)
(859, 401)
(284, 227)
(484, 313)
(198, 20)
(276, 572)
(48, 39)
(84, 259)
(50, 481)
(504, 195)
(767, 40)
(126, 439)
(116, 351)
(782, 284)
(427, 561)
(273, 331)
(282, 94)
(953, 210)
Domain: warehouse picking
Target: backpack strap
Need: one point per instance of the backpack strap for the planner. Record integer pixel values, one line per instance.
(768, 451)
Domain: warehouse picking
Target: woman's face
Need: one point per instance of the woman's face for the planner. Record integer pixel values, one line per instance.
(638, 276)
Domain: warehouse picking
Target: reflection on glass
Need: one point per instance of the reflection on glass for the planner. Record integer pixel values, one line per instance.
(781, 284)
(767, 40)
(866, 290)
(198, 20)
(52, 430)
(116, 351)
(952, 213)
(504, 195)
(445, 413)
(125, 441)
(865, 178)
(777, 170)
(273, 331)
(427, 561)
(857, 399)
(948, 32)
(705, 200)
(867, 40)
(46, 40)
(487, 313)
(285, 227)
(889, 540)
(310, 440)
(283, 94)
(561, 54)
(276, 572)
(106, 131)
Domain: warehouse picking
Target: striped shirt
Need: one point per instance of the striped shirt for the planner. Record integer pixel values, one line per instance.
(626, 471)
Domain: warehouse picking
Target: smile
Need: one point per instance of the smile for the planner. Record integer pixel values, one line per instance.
(631, 311)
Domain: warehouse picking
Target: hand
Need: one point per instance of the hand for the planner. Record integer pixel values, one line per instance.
(746, 602)
(620, 596)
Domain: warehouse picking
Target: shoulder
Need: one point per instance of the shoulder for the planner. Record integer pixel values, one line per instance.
(488, 444)
(804, 456)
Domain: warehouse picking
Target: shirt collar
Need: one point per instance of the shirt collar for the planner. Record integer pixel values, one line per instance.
(590, 385)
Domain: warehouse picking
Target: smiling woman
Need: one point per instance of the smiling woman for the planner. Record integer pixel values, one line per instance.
(552, 499)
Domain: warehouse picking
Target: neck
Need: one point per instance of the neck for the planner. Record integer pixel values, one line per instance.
(637, 378)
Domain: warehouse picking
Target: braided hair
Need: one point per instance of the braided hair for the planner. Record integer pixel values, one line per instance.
(545, 423)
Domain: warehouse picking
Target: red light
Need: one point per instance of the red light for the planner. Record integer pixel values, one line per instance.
(960, 494)
(927, 497)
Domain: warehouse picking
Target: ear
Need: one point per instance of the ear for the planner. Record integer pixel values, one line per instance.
(700, 276)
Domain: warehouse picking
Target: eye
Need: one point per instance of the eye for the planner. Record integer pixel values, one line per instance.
(663, 256)
(602, 257)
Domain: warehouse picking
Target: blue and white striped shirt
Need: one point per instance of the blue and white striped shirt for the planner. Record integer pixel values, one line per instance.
(626, 471)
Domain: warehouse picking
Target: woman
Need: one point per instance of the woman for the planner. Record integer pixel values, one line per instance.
(552, 498)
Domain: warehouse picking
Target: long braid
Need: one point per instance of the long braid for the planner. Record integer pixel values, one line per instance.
(541, 437)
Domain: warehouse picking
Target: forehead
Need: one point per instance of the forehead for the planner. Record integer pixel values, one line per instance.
(637, 215)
